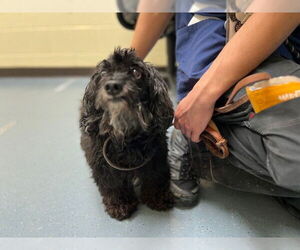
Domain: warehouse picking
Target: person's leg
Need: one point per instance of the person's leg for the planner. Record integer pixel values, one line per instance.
(244, 169)
(265, 150)
(268, 162)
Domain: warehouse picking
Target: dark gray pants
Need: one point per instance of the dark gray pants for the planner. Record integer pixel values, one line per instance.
(265, 150)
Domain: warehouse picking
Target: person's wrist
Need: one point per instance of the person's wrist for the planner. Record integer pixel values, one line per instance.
(207, 93)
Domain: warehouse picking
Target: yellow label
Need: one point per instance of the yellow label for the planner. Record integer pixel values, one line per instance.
(269, 96)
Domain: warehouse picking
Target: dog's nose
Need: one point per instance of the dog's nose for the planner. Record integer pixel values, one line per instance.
(113, 88)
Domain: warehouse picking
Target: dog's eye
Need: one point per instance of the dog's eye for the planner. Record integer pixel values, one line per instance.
(103, 73)
(137, 74)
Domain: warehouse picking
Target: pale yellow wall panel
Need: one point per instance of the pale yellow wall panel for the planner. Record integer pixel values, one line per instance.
(64, 40)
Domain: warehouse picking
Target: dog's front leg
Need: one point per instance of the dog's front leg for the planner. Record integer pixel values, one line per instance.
(155, 189)
(119, 198)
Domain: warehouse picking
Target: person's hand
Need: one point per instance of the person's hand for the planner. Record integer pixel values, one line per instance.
(193, 114)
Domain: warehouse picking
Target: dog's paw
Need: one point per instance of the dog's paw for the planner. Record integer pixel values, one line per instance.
(121, 211)
(160, 201)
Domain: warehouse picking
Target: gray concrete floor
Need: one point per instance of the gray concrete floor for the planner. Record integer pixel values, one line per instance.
(47, 191)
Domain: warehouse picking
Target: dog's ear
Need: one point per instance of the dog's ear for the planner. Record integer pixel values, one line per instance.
(89, 116)
(160, 102)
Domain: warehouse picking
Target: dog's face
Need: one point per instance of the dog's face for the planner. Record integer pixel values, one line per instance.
(128, 94)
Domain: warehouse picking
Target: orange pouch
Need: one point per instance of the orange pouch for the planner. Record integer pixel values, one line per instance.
(266, 94)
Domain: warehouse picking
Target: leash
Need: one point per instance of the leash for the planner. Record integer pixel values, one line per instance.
(214, 141)
(111, 164)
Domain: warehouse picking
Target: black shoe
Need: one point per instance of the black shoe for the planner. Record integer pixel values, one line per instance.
(184, 185)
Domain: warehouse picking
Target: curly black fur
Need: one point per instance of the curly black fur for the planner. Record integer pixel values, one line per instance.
(127, 100)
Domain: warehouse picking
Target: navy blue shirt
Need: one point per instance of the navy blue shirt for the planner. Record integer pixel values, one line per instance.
(199, 44)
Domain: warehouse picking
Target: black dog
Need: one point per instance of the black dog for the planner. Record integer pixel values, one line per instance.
(125, 113)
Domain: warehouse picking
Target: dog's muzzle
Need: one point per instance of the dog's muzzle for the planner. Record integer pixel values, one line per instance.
(113, 87)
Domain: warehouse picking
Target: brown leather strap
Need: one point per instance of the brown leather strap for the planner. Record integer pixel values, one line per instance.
(230, 105)
(212, 137)
(246, 81)
(214, 141)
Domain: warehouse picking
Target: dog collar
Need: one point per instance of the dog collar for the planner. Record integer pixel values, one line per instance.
(111, 164)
